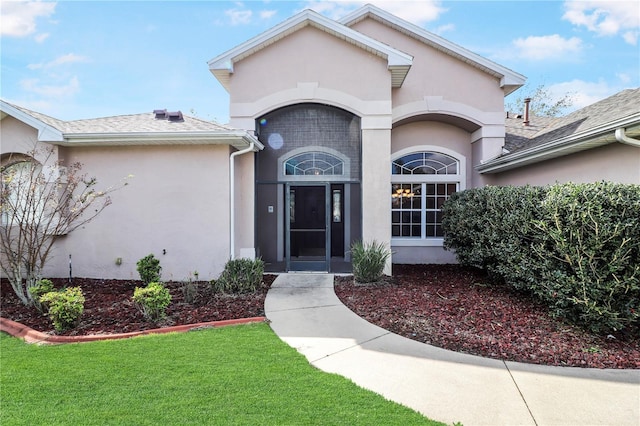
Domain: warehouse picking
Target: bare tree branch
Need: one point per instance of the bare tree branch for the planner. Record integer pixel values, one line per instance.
(39, 203)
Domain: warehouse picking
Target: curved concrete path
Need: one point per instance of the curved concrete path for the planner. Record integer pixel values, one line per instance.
(443, 385)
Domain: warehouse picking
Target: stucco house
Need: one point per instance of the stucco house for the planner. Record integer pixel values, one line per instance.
(357, 129)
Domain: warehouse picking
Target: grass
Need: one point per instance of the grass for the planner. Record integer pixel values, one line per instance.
(230, 376)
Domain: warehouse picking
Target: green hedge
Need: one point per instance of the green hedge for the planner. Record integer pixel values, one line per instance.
(574, 246)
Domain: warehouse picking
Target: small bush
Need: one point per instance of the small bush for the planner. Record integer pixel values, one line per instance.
(152, 300)
(240, 276)
(149, 269)
(41, 288)
(64, 307)
(190, 289)
(368, 260)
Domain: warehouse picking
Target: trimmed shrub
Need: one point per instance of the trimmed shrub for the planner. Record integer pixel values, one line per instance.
(152, 300)
(149, 269)
(239, 276)
(64, 307)
(41, 288)
(574, 246)
(491, 228)
(368, 260)
(588, 242)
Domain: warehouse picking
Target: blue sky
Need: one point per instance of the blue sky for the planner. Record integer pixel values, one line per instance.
(84, 59)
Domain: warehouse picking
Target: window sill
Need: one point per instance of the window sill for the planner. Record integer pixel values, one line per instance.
(417, 242)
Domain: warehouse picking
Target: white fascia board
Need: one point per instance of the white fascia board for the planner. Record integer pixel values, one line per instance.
(239, 139)
(591, 138)
(507, 76)
(46, 133)
(221, 66)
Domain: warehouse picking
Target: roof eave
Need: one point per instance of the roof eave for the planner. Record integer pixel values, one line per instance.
(237, 139)
(591, 138)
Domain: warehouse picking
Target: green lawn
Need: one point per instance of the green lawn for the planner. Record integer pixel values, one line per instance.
(243, 375)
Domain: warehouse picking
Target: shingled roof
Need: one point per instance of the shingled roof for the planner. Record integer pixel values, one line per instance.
(134, 129)
(586, 128)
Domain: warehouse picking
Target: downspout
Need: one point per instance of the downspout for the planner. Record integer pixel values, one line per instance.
(232, 203)
(623, 138)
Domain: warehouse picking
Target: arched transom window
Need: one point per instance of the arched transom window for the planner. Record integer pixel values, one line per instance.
(425, 163)
(421, 182)
(314, 163)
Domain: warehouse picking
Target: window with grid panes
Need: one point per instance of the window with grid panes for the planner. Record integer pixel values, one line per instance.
(421, 183)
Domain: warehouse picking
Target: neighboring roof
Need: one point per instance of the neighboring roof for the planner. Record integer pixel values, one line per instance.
(586, 128)
(397, 62)
(509, 80)
(136, 129)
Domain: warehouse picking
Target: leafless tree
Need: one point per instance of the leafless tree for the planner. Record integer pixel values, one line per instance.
(39, 203)
(543, 103)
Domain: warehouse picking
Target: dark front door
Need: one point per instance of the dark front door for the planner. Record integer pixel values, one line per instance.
(307, 245)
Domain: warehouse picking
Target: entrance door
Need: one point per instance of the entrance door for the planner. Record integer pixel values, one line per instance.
(307, 242)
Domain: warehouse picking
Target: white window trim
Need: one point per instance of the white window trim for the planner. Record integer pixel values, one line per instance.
(459, 179)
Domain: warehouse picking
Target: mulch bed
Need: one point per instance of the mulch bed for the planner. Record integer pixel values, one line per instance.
(457, 308)
(447, 306)
(110, 310)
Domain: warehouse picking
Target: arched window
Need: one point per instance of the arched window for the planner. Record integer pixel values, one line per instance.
(21, 198)
(420, 184)
(314, 163)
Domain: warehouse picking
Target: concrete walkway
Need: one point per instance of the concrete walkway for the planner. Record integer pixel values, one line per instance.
(443, 385)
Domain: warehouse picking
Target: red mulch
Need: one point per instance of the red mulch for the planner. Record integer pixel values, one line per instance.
(444, 305)
(456, 308)
(108, 307)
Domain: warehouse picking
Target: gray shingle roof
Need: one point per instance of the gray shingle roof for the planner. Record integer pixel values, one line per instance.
(134, 129)
(134, 123)
(543, 129)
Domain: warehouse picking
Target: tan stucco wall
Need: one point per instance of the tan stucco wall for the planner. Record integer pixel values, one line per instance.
(177, 201)
(615, 162)
(310, 55)
(436, 73)
(17, 137)
(376, 178)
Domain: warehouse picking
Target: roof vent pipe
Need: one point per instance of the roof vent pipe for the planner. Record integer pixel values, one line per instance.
(527, 101)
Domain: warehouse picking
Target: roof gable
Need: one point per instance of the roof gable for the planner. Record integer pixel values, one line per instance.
(509, 80)
(398, 62)
(49, 129)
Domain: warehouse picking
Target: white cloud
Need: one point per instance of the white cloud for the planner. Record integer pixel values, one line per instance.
(443, 29)
(266, 14)
(34, 85)
(19, 18)
(547, 47)
(239, 15)
(417, 12)
(606, 17)
(583, 93)
(61, 60)
(41, 37)
(623, 77)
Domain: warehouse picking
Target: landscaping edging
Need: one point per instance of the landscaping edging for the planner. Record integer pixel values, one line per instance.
(30, 335)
